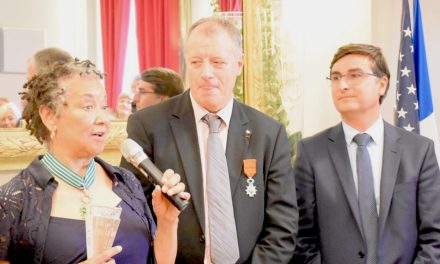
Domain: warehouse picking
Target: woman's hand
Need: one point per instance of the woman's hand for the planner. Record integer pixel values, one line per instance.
(163, 208)
(165, 246)
(104, 257)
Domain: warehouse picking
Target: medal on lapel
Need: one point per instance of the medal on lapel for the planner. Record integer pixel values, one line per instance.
(250, 169)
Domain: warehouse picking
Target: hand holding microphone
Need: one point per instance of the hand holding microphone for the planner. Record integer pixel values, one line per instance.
(173, 189)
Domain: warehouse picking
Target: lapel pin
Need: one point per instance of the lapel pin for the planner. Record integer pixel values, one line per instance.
(247, 134)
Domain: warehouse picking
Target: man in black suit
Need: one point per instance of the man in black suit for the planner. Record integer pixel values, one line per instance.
(174, 135)
(403, 225)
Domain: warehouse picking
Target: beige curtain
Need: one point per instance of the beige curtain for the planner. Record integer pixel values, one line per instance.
(269, 77)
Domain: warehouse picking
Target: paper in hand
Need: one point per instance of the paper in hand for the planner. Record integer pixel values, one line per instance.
(102, 224)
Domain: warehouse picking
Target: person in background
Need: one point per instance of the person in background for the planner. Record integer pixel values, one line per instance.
(123, 108)
(251, 216)
(3, 100)
(133, 89)
(368, 192)
(9, 115)
(42, 209)
(155, 86)
(40, 60)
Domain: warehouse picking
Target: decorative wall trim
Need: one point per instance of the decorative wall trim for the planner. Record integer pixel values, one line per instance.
(266, 85)
(18, 148)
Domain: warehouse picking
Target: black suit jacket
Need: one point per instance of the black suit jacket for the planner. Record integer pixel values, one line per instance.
(267, 223)
(409, 215)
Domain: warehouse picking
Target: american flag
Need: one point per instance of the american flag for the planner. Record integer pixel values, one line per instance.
(406, 91)
(414, 107)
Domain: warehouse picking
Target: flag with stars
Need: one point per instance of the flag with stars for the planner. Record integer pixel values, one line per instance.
(414, 108)
(406, 92)
(428, 125)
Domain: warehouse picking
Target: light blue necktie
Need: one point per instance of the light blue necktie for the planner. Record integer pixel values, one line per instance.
(223, 232)
(366, 198)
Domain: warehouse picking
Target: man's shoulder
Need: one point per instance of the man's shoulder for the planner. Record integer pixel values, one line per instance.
(255, 115)
(406, 137)
(164, 107)
(157, 112)
(323, 136)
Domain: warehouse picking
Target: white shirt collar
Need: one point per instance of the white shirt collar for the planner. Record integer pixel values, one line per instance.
(376, 131)
(225, 113)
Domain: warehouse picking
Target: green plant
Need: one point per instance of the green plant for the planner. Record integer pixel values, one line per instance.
(272, 101)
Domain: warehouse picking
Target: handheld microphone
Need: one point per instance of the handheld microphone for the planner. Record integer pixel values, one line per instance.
(134, 154)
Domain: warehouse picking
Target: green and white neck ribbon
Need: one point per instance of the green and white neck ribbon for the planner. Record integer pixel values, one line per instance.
(56, 168)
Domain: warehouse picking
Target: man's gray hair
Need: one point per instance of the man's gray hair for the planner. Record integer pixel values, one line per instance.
(224, 24)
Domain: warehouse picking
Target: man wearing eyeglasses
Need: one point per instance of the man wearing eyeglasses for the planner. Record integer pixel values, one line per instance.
(368, 192)
(155, 86)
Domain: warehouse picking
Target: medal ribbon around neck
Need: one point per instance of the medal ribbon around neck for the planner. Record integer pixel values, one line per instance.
(56, 168)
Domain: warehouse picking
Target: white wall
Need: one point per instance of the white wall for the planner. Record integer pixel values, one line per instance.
(326, 25)
(318, 28)
(68, 24)
(386, 26)
(321, 27)
(200, 9)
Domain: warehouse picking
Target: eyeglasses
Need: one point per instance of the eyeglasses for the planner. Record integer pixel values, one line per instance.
(141, 92)
(352, 77)
(22, 95)
(146, 92)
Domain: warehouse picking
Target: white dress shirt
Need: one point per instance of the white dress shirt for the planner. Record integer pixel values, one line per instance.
(375, 150)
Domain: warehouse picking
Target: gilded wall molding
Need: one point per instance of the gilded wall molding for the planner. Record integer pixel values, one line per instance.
(18, 148)
(268, 66)
(253, 67)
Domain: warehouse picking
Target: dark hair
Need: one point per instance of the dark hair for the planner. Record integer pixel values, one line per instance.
(379, 65)
(47, 57)
(219, 22)
(44, 89)
(164, 81)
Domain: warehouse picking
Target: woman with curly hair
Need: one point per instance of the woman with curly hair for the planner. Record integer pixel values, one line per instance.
(42, 209)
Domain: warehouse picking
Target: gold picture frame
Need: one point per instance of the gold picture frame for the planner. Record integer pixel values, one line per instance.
(18, 148)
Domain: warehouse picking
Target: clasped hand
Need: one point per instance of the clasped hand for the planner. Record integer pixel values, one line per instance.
(165, 211)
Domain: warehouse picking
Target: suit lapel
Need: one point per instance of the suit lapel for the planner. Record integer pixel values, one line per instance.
(337, 148)
(184, 130)
(390, 165)
(236, 145)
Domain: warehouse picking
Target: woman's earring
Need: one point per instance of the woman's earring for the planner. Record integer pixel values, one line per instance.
(53, 132)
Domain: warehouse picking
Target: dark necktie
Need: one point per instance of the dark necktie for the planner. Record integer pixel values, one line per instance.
(366, 198)
(223, 232)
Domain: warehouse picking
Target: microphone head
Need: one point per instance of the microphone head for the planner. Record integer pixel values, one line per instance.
(132, 152)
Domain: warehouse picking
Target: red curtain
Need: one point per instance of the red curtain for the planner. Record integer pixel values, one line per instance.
(114, 25)
(157, 28)
(231, 5)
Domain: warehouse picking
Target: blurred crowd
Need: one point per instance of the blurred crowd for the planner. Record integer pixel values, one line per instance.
(150, 87)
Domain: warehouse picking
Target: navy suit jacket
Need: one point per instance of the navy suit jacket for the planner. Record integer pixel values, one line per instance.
(409, 217)
(267, 223)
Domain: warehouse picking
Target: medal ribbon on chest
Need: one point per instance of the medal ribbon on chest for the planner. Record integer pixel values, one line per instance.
(56, 168)
(250, 170)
